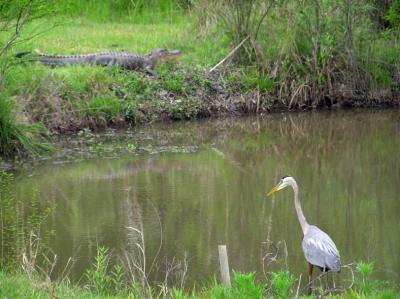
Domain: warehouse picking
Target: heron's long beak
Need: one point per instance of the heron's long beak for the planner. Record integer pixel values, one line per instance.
(272, 191)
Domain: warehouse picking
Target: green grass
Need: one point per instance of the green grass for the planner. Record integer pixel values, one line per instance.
(60, 35)
(282, 284)
(150, 11)
(75, 97)
(103, 281)
(18, 137)
(250, 79)
(19, 285)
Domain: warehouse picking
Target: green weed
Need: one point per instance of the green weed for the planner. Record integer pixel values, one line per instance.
(136, 11)
(131, 146)
(393, 15)
(98, 279)
(17, 138)
(244, 286)
(282, 283)
(106, 284)
(117, 279)
(103, 109)
(177, 294)
(365, 270)
(250, 79)
(174, 83)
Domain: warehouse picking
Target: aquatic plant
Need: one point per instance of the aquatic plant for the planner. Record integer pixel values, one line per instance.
(98, 278)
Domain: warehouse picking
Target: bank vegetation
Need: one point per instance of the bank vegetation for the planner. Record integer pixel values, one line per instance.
(293, 55)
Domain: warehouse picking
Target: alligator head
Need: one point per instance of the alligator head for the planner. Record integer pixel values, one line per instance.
(159, 56)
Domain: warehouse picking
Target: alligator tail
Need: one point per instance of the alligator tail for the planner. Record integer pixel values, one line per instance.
(22, 54)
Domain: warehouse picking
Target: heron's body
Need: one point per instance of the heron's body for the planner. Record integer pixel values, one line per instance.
(318, 248)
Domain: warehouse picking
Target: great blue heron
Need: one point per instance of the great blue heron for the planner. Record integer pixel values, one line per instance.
(319, 249)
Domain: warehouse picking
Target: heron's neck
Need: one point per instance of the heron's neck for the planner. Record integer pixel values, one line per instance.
(302, 219)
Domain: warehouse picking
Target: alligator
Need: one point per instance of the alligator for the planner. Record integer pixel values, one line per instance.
(125, 60)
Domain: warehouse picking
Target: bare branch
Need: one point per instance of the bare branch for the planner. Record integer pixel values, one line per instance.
(230, 54)
(298, 287)
(262, 20)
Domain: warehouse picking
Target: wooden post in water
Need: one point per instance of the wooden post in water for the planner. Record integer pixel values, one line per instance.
(224, 265)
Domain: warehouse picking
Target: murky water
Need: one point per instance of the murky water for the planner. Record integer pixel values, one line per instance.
(192, 186)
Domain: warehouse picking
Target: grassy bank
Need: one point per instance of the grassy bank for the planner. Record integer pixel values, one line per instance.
(294, 59)
(71, 98)
(281, 285)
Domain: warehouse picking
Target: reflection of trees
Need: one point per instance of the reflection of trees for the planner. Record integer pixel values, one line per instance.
(216, 195)
(134, 249)
(336, 162)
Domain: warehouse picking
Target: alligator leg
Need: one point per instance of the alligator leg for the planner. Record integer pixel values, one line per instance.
(111, 63)
(151, 72)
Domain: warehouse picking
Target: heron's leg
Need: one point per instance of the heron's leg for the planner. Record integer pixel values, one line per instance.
(327, 281)
(310, 269)
(333, 281)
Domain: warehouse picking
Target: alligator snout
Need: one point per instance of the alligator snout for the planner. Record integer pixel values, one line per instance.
(175, 52)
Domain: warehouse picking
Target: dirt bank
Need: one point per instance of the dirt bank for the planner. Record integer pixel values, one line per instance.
(73, 98)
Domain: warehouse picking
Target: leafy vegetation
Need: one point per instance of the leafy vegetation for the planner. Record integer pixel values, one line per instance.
(17, 137)
(282, 283)
(103, 281)
(110, 285)
(393, 15)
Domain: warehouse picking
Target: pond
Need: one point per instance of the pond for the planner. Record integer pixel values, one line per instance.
(190, 186)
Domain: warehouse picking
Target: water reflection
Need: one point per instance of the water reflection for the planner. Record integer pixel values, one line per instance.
(204, 183)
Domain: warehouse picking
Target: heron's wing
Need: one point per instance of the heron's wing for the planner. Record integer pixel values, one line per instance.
(320, 250)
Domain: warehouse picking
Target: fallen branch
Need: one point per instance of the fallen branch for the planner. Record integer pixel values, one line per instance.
(230, 54)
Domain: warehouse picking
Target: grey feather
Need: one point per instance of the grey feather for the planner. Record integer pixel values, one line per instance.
(320, 250)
